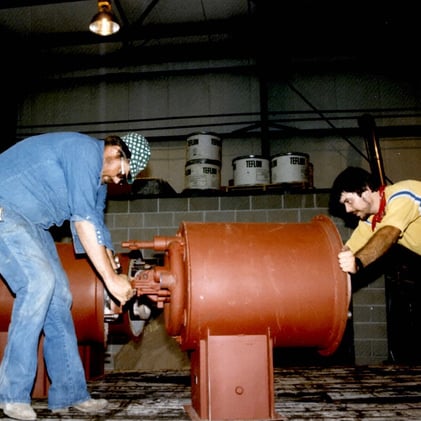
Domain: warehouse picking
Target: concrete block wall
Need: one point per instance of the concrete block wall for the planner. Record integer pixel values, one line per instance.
(143, 218)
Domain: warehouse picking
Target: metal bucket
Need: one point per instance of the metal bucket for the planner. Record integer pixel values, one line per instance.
(204, 146)
(291, 167)
(251, 170)
(203, 174)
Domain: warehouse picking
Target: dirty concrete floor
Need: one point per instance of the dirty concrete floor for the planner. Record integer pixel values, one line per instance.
(367, 393)
(149, 380)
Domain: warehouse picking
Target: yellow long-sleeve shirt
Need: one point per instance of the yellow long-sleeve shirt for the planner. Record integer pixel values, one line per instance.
(403, 211)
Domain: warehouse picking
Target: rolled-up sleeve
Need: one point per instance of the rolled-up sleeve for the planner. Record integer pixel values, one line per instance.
(103, 235)
(87, 196)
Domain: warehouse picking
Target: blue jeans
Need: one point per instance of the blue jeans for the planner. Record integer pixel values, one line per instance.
(30, 264)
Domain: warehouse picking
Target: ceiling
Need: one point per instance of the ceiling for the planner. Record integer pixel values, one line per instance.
(53, 36)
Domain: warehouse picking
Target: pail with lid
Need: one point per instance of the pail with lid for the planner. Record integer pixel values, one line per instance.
(203, 174)
(251, 170)
(290, 168)
(203, 145)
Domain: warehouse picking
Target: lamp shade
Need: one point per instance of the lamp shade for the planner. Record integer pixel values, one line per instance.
(104, 22)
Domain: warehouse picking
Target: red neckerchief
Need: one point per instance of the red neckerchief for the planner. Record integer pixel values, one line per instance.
(379, 215)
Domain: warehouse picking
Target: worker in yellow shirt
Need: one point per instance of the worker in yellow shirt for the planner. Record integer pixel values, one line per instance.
(387, 214)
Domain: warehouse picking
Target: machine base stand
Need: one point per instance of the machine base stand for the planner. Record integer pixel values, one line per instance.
(232, 378)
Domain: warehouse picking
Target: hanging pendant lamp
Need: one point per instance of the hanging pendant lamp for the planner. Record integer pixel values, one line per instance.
(104, 22)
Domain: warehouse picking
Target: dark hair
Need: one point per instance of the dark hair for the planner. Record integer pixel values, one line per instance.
(351, 180)
(114, 140)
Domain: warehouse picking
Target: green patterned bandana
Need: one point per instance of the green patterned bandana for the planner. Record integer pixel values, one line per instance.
(140, 153)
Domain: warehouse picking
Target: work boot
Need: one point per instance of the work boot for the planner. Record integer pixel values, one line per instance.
(19, 411)
(91, 405)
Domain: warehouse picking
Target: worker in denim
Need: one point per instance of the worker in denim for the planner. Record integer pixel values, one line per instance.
(46, 180)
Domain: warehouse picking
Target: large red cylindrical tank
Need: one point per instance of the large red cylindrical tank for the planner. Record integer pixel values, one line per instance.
(260, 278)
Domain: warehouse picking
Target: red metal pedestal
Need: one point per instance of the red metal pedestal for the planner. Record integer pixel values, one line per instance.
(232, 378)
